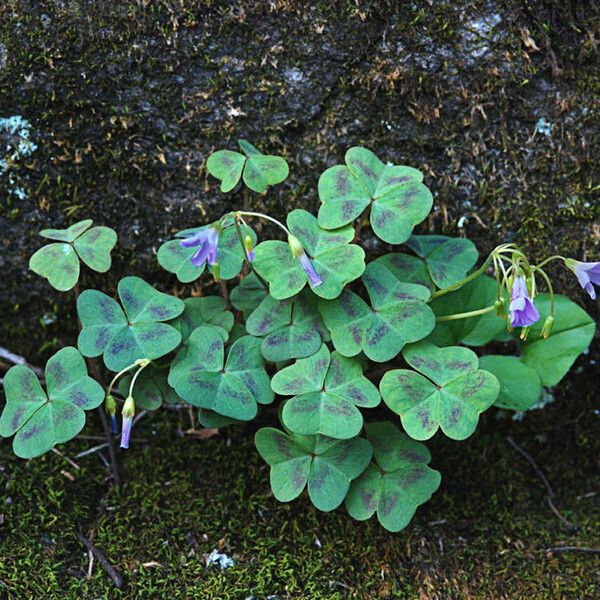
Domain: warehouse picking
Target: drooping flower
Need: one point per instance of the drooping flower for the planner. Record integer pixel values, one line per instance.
(207, 240)
(128, 413)
(313, 276)
(588, 274)
(298, 251)
(523, 312)
(248, 244)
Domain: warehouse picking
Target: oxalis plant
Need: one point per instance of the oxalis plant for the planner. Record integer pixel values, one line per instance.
(312, 322)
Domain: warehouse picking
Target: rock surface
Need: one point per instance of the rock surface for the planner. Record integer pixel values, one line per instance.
(498, 103)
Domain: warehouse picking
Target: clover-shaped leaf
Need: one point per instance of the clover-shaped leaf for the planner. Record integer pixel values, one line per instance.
(520, 385)
(127, 334)
(232, 389)
(209, 310)
(396, 195)
(212, 420)
(396, 482)
(327, 390)
(571, 335)
(59, 262)
(334, 258)
(398, 315)
(440, 261)
(450, 391)
(473, 331)
(291, 328)
(327, 465)
(151, 389)
(40, 421)
(259, 170)
(248, 294)
(230, 256)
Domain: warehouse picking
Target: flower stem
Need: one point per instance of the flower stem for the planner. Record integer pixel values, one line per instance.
(468, 278)
(466, 315)
(550, 288)
(263, 216)
(240, 237)
(547, 260)
(135, 376)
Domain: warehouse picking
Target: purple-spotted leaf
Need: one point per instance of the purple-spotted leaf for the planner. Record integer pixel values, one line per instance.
(291, 328)
(396, 195)
(175, 259)
(209, 310)
(40, 421)
(326, 466)
(94, 247)
(396, 482)
(126, 336)
(449, 391)
(227, 166)
(69, 234)
(334, 259)
(248, 294)
(327, 390)
(258, 170)
(232, 389)
(59, 262)
(398, 315)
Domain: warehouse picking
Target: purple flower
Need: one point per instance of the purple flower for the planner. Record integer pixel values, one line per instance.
(523, 312)
(588, 274)
(251, 255)
(313, 276)
(113, 418)
(126, 431)
(207, 240)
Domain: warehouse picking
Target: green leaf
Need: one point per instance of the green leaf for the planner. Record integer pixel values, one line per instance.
(259, 170)
(396, 195)
(94, 247)
(58, 263)
(125, 339)
(248, 294)
(406, 267)
(398, 315)
(175, 259)
(227, 166)
(67, 235)
(151, 389)
(520, 385)
(209, 310)
(230, 255)
(144, 304)
(571, 335)
(101, 318)
(396, 482)
(473, 331)
(327, 390)
(448, 260)
(41, 421)
(327, 466)
(232, 391)
(336, 260)
(449, 393)
(292, 329)
(213, 420)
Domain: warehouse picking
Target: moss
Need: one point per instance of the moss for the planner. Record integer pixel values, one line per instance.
(484, 534)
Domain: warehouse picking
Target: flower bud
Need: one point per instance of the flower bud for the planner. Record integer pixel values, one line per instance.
(110, 406)
(500, 307)
(547, 327)
(524, 333)
(295, 245)
(249, 245)
(216, 270)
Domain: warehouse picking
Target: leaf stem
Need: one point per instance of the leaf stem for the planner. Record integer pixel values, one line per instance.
(465, 280)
